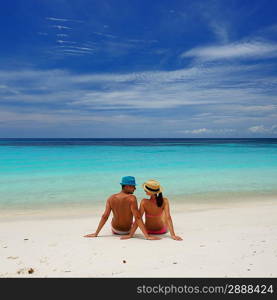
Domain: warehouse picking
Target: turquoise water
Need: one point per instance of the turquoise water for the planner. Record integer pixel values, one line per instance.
(49, 172)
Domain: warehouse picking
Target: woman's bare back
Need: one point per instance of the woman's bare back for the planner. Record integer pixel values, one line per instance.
(154, 215)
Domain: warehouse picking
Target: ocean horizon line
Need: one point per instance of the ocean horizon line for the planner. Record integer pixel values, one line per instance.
(140, 138)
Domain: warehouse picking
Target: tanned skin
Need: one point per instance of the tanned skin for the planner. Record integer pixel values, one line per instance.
(149, 206)
(124, 207)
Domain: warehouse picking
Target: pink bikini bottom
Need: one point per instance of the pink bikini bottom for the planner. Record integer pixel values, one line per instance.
(161, 231)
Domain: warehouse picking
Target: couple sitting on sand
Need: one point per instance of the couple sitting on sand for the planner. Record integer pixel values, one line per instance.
(124, 207)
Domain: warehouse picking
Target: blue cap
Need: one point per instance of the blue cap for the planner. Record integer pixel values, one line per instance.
(128, 180)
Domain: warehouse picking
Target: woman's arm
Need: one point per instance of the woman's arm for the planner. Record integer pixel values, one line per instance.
(169, 221)
(103, 220)
(138, 221)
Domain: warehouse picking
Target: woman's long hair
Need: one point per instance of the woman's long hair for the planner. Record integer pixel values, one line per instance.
(159, 199)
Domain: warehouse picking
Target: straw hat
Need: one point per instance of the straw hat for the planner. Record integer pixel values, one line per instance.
(152, 186)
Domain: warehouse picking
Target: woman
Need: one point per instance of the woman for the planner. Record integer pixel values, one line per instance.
(156, 209)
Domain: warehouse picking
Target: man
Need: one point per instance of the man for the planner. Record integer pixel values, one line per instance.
(124, 207)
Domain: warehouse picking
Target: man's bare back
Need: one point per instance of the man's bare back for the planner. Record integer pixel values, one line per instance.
(122, 214)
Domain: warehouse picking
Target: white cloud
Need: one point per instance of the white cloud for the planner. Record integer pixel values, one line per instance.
(56, 19)
(85, 49)
(206, 130)
(60, 27)
(107, 35)
(198, 131)
(65, 42)
(220, 30)
(255, 108)
(63, 20)
(61, 35)
(263, 129)
(258, 129)
(252, 49)
(203, 97)
(199, 85)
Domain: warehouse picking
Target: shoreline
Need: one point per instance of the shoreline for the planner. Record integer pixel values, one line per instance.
(184, 203)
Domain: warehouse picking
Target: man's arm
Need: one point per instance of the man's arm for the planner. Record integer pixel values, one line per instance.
(138, 219)
(103, 220)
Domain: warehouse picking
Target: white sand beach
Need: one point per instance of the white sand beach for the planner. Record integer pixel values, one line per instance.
(234, 240)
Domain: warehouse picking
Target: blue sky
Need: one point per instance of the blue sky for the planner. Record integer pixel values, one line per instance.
(159, 68)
